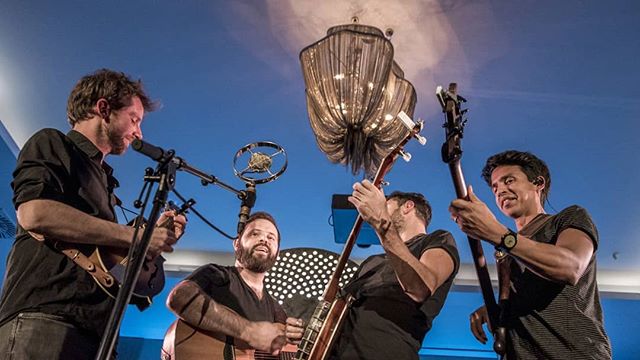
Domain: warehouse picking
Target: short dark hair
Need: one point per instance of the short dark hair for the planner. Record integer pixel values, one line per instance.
(257, 216)
(114, 86)
(530, 164)
(422, 206)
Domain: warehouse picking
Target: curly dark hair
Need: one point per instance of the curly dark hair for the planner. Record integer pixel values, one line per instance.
(257, 216)
(423, 208)
(115, 87)
(530, 164)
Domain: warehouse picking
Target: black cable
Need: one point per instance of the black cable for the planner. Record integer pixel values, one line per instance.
(123, 209)
(203, 218)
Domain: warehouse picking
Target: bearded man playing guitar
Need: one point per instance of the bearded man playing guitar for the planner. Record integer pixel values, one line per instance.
(225, 312)
(51, 307)
(554, 309)
(396, 294)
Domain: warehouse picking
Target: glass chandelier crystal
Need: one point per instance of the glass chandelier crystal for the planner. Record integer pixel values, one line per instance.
(354, 91)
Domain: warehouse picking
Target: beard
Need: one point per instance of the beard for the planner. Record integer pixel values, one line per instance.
(396, 220)
(118, 146)
(116, 142)
(253, 262)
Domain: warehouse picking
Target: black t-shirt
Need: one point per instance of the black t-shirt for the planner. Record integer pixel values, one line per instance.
(384, 322)
(226, 287)
(550, 320)
(66, 169)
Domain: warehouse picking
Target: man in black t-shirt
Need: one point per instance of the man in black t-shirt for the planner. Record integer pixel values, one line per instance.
(396, 295)
(229, 303)
(51, 308)
(554, 308)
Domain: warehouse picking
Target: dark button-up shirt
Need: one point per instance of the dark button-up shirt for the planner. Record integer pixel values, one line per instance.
(68, 169)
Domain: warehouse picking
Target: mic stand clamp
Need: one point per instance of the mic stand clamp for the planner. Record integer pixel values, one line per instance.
(248, 198)
(164, 175)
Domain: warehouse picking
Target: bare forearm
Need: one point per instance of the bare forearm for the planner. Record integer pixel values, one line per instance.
(417, 282)
(564, 264)
(414, 277)
(552, 262)
(58, 221)
(199, 310)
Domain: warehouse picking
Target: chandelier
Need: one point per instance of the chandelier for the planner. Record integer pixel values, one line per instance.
(355, 90)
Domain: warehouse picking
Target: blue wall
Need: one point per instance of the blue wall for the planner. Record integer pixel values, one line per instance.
(449, 338)
(7, 163)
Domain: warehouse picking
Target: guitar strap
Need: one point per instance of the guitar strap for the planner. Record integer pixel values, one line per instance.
(104, 278)
(228, 353)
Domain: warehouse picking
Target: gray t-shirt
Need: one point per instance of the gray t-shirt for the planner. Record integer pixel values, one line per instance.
(550, 320)
(384, 322)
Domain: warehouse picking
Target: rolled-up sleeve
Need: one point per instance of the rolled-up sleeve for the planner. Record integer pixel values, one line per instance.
(42, 168)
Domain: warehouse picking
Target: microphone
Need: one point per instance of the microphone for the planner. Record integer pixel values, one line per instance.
(154, 152)
(248, 200)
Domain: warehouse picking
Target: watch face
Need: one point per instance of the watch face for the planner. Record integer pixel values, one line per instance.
(509, 241)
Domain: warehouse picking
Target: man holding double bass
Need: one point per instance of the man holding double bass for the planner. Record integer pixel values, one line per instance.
(554, 309)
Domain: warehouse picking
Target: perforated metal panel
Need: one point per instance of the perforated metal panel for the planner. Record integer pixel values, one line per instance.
(299, 277)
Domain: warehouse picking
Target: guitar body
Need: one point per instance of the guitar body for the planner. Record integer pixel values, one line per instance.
(185, 342)
(114, 261)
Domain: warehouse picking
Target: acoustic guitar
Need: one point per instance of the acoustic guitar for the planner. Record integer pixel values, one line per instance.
(185, 342)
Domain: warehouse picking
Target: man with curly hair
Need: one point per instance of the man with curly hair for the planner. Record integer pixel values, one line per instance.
(63, 192)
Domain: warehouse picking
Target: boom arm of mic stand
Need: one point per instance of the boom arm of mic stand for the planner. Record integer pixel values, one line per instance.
(205, 178)
(165, 157)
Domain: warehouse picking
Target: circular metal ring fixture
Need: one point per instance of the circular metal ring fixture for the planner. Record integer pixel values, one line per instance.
(260, 157)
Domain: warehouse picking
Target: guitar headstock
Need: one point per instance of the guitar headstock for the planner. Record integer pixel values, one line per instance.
(454, 122)
(414, 131)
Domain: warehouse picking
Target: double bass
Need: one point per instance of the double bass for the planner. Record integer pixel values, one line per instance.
(451, 154)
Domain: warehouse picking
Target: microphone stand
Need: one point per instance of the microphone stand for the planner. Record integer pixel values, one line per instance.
(164, 175)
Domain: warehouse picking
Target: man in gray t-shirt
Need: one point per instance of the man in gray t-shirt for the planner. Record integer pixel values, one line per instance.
(554, 310)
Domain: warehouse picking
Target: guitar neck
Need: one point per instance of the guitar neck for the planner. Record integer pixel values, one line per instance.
(331, 291)
(476, 248)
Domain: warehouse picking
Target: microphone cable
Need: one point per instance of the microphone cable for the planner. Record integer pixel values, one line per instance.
(193, 209)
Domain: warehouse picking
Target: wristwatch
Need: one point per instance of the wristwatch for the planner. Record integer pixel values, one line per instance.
(508, 241)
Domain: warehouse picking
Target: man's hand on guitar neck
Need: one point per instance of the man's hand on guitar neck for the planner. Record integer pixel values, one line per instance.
(371, 204)
(294, 329)
(475, 218)
(170, 228)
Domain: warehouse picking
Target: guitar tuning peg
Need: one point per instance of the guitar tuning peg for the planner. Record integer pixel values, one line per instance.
(405, 155)
(384, 183)
(421, 139)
